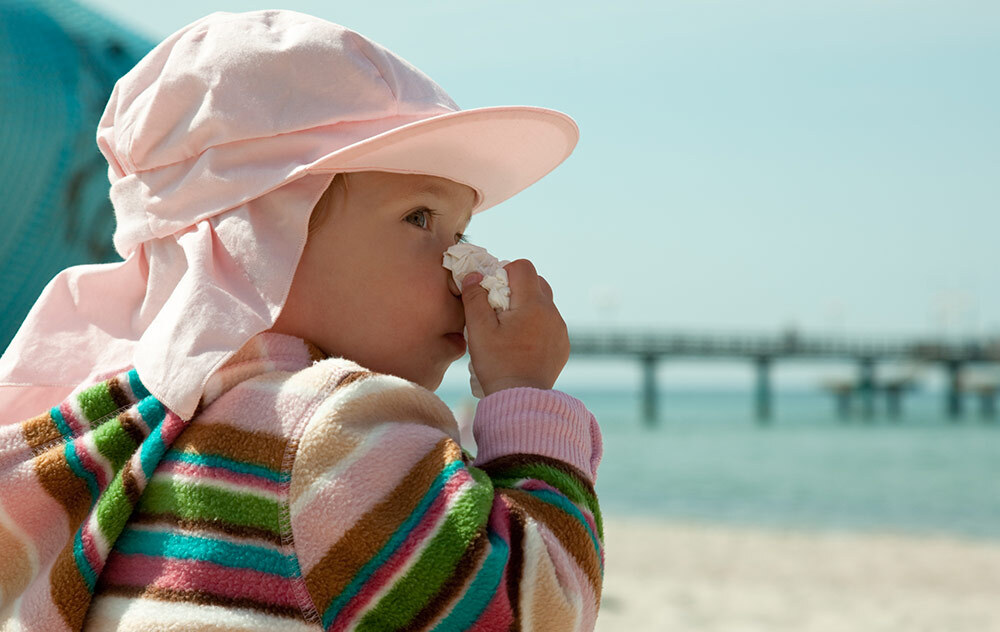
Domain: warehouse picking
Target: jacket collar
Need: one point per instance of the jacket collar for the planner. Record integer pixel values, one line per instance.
(264, 353)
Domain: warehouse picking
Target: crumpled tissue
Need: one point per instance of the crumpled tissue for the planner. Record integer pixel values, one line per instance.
(463, 259)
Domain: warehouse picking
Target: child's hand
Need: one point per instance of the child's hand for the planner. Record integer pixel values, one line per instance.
(526, 345)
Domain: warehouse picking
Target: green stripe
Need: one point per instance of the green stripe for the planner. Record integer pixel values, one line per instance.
(438, 560)
(187, 547)
(203, 502)
(565, 482)
(399, 536)
(96, 402)
(113, 509)
(114, 443)
(570, 486)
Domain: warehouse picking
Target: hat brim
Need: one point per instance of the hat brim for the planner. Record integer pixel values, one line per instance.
(498, 151)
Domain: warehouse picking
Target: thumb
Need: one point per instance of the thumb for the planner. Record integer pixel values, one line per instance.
(478, 312)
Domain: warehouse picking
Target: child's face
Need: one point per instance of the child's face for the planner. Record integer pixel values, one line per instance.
(370, 286)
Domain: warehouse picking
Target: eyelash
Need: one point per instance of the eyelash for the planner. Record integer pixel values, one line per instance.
(462, 237)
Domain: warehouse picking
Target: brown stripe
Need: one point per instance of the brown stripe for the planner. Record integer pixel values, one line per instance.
(226, 440)
(551, 607)
(469, 562)
(574, 537)
(369, 534)
(118, 394)
(495, 467)
(134, 430)
(393, 401)
(202, 597)
(205, 524)
(17, 570)
(40, 432)
(354, 376)
(130, 485)
(327, 441)
(315, 353)
(62, 484)
(67, 589)
(515, 566)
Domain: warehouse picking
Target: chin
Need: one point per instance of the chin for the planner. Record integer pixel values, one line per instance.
(431, 384)
(430, 380)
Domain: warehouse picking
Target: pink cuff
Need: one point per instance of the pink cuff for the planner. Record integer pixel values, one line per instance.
(527, 420)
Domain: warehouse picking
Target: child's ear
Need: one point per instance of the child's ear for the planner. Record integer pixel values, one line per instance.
(322, 208)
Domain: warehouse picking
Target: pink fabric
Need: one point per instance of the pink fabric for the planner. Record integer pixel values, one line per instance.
(338, 507)
(177, 574)
(219, 143)
(497, 614)
(29, 506)
(531, 420)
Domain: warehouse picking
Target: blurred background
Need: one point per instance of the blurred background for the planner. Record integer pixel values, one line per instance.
(774, 247)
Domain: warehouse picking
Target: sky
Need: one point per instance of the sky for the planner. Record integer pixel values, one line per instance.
(742, 167)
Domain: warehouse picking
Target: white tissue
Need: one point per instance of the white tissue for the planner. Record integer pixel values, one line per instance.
(463, 259)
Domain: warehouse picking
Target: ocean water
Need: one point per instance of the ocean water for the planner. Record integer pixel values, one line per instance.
(708, 459)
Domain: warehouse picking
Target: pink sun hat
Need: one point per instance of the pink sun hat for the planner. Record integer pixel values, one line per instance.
(219, 142)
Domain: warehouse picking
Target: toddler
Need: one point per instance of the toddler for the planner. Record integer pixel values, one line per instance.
(234, 428)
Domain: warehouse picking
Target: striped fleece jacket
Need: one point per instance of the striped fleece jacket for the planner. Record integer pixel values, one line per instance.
(306, 493)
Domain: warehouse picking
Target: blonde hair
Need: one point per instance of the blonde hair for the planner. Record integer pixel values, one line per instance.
(322, 208)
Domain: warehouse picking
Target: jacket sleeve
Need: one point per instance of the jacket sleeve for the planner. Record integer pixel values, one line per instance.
(395, 527)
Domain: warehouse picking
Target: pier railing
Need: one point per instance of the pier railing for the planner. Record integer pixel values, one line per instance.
(763, 350)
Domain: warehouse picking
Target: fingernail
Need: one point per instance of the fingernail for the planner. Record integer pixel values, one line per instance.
(471, 279)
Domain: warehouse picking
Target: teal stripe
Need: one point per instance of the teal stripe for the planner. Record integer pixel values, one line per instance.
(82, 565)
(74, 464)
(187, 547)
(566, 506)
(215, 460)
(482, 590)
(138, 389)
(61, 424)
(152, 448)
(152, 411)
(398, 537)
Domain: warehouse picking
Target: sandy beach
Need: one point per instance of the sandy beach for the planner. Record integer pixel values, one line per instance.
(664, 576)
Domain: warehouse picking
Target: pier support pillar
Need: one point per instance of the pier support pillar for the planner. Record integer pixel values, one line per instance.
(649, 395)
(866, 386)
(954, 406)
(763, 389)
(893, 395)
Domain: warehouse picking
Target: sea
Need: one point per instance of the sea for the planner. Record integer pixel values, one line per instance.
(708, 459)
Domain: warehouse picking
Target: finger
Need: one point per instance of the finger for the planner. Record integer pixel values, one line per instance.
(479, 315)
(523, 282)
(546, 288)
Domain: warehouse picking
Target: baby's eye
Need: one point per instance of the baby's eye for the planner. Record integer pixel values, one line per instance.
(422, 212)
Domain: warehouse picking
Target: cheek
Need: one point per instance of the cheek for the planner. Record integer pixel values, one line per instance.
(416, 283)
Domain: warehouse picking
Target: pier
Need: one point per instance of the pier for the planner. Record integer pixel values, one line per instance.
(764, 351)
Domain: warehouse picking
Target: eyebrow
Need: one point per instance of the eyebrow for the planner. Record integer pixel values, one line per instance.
(438, 190)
